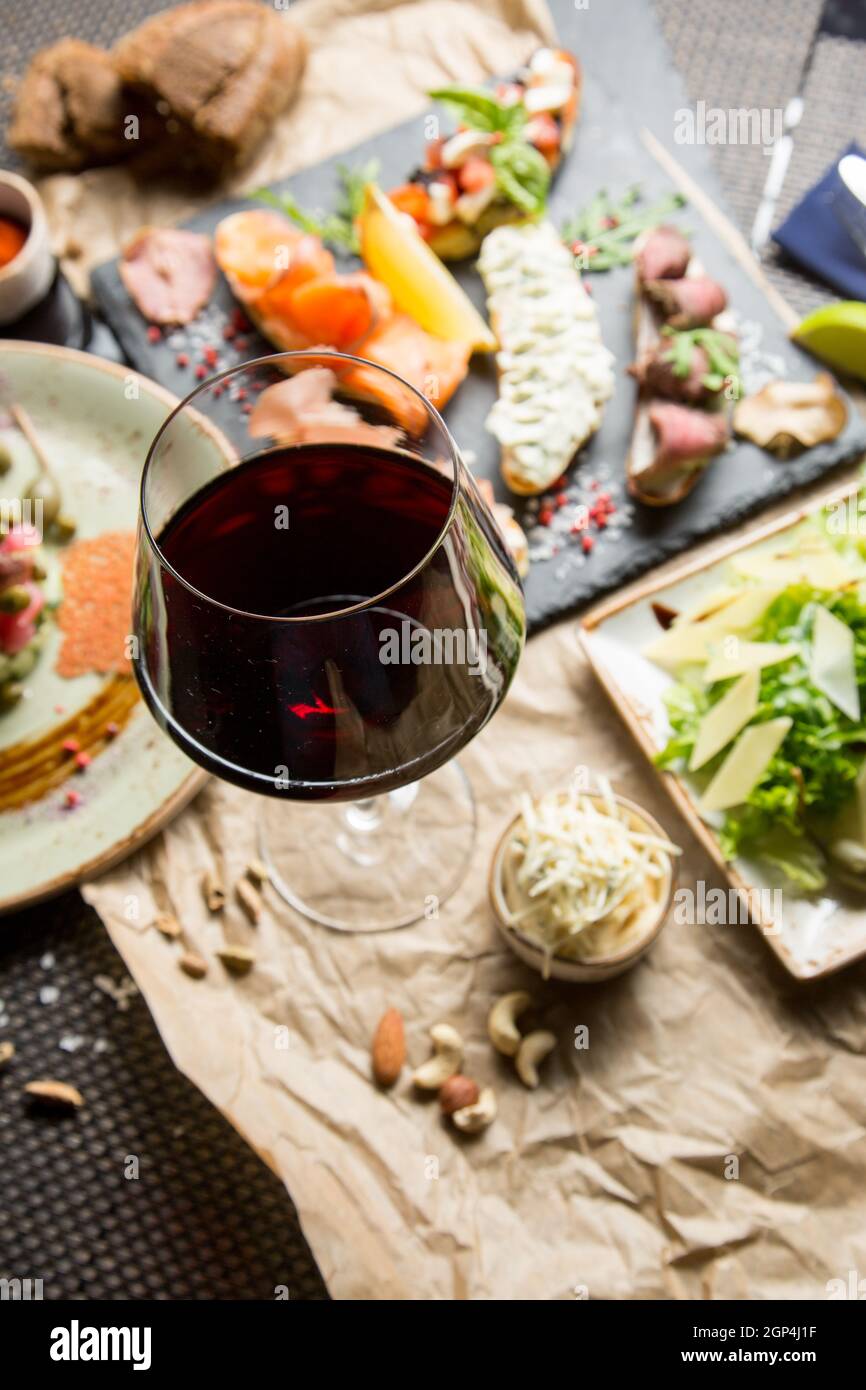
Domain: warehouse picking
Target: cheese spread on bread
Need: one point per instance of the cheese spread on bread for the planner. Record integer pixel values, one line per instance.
(554, 371)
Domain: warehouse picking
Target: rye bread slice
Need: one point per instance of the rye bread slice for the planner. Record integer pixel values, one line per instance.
(69, 110)
(214, 73)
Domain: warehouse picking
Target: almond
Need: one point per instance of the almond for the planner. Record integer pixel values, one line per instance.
(250, 900)
(389, 1048)
(237, 959)
(193, 965)
(458, 1092)
(214, 893)
(56, 1095)
(258, 872)
(167, 925)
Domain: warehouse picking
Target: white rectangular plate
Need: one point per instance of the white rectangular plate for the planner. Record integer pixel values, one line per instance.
(812, 936)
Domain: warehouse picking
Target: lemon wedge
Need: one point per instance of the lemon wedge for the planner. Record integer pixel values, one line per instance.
(836, 334)
(395, 253)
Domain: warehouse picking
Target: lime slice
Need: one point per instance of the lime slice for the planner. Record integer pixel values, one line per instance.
(837, 334)
(421, 286)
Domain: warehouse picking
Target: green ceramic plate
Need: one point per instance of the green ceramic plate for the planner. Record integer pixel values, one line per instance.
(95, 420)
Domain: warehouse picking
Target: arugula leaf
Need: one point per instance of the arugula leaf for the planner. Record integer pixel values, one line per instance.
(602, 233)
(721, 349)
(336, 229)
(522, 175)
(478, 110)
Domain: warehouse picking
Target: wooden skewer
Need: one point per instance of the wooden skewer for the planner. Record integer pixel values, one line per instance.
(44, 485)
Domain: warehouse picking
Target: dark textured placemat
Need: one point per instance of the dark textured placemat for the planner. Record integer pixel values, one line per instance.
(206, 1219)
(742, 55)
(203, 1219)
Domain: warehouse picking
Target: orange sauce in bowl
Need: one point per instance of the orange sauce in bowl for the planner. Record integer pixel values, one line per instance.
(13, 235)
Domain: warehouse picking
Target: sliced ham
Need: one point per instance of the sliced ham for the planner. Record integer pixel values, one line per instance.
(692, 302)
(662, 254)
(169, 273)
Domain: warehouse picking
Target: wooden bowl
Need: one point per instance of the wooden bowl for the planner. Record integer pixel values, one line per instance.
(561, 967)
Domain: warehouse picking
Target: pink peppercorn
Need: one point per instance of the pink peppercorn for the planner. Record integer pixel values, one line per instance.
(587, 542)
(154, 334)
(70, 745)
(82, 761)
(182, 360)
(200, 372)
(73, 799)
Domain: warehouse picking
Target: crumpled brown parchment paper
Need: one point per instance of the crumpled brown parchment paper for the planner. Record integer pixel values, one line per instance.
(370, 65)
(708, 1143)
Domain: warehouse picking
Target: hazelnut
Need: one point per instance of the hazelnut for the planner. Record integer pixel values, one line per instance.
(456, 1093)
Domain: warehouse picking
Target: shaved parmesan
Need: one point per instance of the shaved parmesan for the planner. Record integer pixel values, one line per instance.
(688, 643)
(745, 765)
(832, 667)
(745, 610)
(680, 646)
(709, 605)
(725, 720)
(746, 656)
(820, 566)
(850, 823)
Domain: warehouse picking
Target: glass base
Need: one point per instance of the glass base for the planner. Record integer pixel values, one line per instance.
(366, 866)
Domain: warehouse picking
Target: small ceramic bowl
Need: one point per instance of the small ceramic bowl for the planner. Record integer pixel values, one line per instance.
(849, 200)
(28, 276)
(561, 967)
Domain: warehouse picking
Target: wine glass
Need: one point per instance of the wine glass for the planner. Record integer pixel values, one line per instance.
(326, 612)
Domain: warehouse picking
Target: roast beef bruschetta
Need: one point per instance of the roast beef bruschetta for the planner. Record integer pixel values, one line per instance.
(684, 363)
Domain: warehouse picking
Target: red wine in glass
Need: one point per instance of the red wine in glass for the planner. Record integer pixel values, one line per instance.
(324, 620)
(319, 700)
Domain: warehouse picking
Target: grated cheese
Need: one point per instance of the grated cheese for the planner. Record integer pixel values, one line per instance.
(583, 875)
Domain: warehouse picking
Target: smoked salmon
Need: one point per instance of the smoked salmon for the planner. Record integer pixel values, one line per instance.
(289, 286)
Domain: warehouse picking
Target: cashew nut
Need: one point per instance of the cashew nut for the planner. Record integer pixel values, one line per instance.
(446, 1060)
(533, 1050)
(473, 1118)
(502, 1021)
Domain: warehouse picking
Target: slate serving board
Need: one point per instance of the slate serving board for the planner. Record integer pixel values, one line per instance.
(607, 153)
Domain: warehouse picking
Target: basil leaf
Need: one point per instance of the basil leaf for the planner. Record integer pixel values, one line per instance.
(480, 111)
(522, 174)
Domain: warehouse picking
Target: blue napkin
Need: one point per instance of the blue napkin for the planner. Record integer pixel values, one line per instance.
(813, 236)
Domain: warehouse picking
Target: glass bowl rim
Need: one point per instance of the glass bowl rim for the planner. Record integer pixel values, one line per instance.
(272, 359)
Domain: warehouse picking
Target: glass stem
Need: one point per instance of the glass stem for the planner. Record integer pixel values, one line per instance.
(358, 837)
(364, 816)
